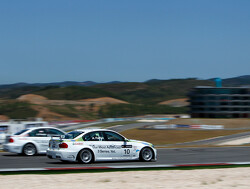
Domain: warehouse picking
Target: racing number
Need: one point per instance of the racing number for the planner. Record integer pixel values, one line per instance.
(127, 151)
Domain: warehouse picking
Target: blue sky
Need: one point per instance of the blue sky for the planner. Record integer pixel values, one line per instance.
(132, 40)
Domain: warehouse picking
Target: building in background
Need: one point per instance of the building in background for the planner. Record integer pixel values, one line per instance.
(220, 102)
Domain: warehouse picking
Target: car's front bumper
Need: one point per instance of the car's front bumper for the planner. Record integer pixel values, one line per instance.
(14, 148)
(62, 155)
(155, 154)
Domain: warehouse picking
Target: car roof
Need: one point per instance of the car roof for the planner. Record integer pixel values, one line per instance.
(32, 128)
(91, 129)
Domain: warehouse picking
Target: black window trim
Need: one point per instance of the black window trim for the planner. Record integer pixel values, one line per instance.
(106, 139)
(94, 140)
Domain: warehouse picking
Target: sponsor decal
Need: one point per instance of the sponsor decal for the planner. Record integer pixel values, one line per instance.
(126, 146)
(107, 149)
(78, 143)
(104, 151)
(79, 139)
(106, 146)
(126, 152)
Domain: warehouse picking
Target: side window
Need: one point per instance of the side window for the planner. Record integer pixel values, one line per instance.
(38, 133)
(93, 136)
(111, 136)
(55, 132)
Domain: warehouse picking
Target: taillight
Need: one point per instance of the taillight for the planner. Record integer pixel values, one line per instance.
(63, 145)
(11, 140)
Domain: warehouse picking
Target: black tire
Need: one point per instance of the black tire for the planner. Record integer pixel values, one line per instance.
(146, 154)
(29, 149)
(86, 156)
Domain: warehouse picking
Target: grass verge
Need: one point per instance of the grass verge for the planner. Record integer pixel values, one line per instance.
(162, 137)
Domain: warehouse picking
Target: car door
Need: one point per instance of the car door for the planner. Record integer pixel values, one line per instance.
(95, 140)
(122, 149)
(40, 138)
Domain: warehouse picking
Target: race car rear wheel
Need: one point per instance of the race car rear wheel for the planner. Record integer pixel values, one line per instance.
(86, 156)
(29, 149)
(146, 154)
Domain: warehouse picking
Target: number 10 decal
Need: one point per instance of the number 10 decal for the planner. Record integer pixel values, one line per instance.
(127, 151)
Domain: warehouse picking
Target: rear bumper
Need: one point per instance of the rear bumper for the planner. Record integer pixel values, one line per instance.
(13, 148)
(61, 155)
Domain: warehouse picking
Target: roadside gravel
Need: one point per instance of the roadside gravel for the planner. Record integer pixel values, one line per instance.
(202, 179)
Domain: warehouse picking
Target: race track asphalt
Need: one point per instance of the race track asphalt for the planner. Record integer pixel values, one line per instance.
(165, 156)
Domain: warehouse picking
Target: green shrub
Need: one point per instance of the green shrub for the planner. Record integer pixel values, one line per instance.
(17, 110)
(123, 110)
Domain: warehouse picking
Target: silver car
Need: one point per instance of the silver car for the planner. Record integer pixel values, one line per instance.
(31, 141)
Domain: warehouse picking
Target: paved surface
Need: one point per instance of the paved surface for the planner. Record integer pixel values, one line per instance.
(121, 128)
(218, 139)
(165, 156)
(118, 128)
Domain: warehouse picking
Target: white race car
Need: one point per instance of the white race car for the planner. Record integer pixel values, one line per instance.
(31, 141)
(99, 145)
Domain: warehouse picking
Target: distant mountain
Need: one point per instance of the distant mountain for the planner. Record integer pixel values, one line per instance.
(237, 81)
(240, 81)
(67, 83)
(149, 92)
(153, 91)
(59, 84)
(15, 85)
(114, 82)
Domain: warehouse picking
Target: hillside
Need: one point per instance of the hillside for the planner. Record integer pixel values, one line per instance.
(114, 99)
(180, 102)
(237, 81)
(153, 91)
(74, 93)
(150, 92)
(37, 99)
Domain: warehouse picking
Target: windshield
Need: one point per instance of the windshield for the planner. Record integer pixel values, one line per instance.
(72, 134)
(21, 132)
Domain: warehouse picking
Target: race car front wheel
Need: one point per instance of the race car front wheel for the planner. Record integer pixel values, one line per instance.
(86, 156)
(29, 149)
(146, 154)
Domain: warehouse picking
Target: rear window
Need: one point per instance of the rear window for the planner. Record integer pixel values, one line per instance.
(21, 132)
(72, 134)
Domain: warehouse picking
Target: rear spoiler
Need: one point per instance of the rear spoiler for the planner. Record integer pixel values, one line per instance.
(58, 136)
